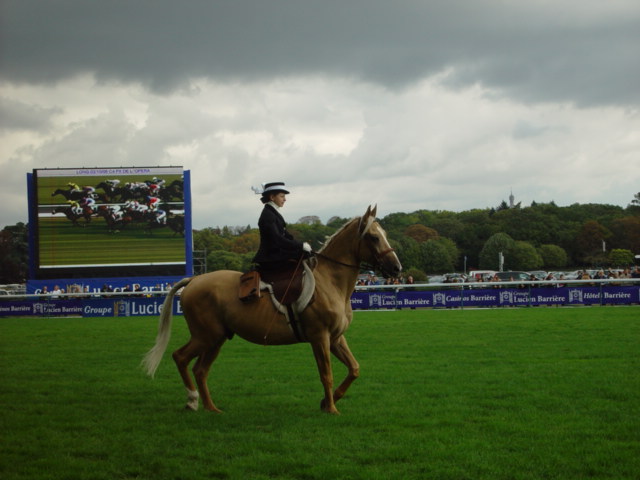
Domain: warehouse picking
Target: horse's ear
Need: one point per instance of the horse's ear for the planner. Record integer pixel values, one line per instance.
(367, 218)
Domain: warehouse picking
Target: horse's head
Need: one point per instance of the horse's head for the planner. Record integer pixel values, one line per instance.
(374, 247)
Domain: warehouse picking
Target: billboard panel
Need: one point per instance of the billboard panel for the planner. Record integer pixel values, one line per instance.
(110, 221)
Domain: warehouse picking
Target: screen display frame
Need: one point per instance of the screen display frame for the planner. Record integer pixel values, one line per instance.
(126, 221)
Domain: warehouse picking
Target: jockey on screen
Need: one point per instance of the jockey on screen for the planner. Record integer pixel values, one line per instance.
(154, 206)
(76, 209)
(88, 202)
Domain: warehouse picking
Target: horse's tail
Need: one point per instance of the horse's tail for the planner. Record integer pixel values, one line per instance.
(153, 357)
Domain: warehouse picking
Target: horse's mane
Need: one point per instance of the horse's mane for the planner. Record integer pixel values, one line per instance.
(337, 233)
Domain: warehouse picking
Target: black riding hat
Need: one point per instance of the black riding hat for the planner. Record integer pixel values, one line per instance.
(274, 187)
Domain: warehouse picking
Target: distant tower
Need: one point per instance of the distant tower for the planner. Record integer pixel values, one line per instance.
(511, 199)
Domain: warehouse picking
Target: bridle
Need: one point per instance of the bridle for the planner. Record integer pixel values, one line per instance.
(378, 256)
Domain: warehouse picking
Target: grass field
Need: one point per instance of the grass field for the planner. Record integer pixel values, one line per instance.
(536, 393)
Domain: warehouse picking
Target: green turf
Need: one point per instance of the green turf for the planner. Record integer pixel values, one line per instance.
(537, 393)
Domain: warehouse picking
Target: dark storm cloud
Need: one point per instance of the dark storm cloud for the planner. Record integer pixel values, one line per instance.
(550, 53)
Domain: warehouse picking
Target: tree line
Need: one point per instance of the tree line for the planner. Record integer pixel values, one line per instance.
(542, 236)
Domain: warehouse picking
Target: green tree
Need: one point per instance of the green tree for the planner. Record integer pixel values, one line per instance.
(420, 233)
(537, 224)
(619, 257)
(447, 225)
(315, 234)
(496, 244)
(417, 274)
(224, 260)
(14, 253)
(336, 222)
(209, 239)
(503, 206)
(478, 228)
(439, 255)
(408, 251)
(396, 223)
(524, 256)
(626, 233)
(452, 249)
(553, 256)
(590, 241)
(247, 242)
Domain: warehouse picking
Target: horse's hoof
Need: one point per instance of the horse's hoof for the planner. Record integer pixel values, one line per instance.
(332, 411)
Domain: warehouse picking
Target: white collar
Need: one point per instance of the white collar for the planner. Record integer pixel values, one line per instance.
(274, 206)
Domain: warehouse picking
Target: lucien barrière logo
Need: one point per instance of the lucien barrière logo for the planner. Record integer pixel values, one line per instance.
(575, 295)
(122, 308)
(506, 297)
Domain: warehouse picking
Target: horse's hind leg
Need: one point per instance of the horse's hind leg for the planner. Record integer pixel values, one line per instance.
(201, 371)
(183, 357)
(342, 352)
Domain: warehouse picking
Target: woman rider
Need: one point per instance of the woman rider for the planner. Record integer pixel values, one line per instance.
(278, 249)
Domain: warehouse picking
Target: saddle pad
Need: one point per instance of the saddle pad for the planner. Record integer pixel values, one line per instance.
(303, 301)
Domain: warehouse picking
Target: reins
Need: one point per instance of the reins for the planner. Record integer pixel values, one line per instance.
(378, 257)
(333, 260)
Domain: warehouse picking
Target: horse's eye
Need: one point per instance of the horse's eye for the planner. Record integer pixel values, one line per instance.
(373, 238)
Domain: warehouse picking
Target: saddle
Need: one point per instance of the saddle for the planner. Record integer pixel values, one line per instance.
(285, 284)
(291, 291)
(249, 286)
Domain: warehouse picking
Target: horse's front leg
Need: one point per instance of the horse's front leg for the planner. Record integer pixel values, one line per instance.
(322, 354)
(342, 352)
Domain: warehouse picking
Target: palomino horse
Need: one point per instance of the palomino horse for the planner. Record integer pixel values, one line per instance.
(214, 313)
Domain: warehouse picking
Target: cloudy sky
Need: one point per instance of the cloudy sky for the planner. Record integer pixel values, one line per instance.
(410, 104)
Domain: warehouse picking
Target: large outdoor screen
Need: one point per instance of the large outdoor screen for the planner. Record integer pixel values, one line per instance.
(109, 221)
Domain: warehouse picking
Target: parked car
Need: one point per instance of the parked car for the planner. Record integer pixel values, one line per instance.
(367, 278)
(454, 278)
(435, 278)
(570, 275)
(539, 274)
(514, 276)
(480, 275)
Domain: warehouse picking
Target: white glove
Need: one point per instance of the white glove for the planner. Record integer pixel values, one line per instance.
(306, 247)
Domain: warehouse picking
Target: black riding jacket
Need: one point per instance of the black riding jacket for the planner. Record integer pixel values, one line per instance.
(276, 244)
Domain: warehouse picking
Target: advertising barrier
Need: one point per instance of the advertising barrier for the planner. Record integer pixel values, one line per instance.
(99, 285)
(371, 298)
(496, 297)
(86, 307)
